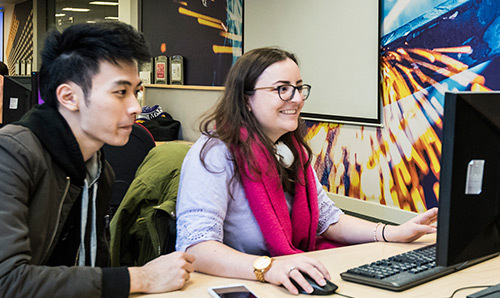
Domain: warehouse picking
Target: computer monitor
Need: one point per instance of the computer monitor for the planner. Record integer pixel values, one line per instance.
(17, 97)
(469, 192)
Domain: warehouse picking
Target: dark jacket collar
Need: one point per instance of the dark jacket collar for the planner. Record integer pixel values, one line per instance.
(56, 136)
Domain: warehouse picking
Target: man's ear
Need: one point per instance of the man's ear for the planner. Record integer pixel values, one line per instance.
(67, 96)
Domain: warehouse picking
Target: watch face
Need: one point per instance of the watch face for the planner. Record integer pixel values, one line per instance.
(262, 263)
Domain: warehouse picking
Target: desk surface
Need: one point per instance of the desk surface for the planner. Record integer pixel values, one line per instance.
(340, 259)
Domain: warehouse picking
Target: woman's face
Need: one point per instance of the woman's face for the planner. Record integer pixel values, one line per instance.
(276, 116)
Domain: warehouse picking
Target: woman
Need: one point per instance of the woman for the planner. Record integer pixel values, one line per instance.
(248, 190)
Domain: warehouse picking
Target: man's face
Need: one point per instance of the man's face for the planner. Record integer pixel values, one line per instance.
(110, 110)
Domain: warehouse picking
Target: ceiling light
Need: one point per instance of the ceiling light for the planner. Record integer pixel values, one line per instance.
(76, 9)
(104, 3)
(58, 15)
(111, 18)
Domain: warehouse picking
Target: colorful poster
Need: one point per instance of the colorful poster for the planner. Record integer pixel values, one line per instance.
(208, 34)
(427, 48)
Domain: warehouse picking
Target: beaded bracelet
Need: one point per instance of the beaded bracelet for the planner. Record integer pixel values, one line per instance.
(383, 233)
(375, 232)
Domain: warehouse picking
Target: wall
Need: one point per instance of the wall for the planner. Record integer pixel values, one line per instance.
(128, 12)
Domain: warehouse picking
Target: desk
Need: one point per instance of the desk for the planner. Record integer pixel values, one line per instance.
(340, 259)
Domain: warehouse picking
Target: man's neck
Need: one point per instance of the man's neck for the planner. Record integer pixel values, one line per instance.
(88, 146)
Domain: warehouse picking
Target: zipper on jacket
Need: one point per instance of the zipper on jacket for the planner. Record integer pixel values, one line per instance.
(68, 183)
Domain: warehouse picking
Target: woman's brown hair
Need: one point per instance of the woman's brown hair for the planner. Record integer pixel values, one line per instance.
(231, 113)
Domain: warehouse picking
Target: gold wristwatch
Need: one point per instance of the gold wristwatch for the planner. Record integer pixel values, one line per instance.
(261, 266)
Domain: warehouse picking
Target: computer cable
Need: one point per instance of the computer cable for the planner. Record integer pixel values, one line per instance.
(337, 293)
(467, 288)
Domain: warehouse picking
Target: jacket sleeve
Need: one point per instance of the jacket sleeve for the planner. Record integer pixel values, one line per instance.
(20, 276)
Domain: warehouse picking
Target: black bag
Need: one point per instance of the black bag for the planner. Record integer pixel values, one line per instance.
(160, 124)
(163, 128)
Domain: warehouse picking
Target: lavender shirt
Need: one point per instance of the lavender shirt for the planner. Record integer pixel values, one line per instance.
(206, 211)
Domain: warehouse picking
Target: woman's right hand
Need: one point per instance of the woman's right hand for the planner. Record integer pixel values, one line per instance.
(290, 267)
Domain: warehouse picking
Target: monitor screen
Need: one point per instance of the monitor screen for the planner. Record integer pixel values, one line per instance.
(17, 97)
(469, 191)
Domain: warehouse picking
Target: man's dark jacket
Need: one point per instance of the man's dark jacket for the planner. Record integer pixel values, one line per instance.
(41, 179)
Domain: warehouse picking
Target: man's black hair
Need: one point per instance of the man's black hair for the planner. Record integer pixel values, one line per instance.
(76, 54)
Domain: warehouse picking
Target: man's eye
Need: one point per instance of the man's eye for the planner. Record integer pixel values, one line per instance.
(121, 92)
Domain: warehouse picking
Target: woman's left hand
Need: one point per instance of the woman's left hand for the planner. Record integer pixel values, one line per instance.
(414, 228)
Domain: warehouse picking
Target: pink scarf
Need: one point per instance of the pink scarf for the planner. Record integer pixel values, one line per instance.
(284, 233)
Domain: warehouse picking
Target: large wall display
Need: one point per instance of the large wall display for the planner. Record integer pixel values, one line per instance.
(427, 48)
(208, 34)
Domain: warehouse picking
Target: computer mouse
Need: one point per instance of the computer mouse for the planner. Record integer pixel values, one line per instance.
(327, 289)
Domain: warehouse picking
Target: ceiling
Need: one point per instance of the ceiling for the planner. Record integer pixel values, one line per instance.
(97, 12)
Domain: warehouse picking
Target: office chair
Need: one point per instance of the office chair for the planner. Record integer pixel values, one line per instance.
(125, 160)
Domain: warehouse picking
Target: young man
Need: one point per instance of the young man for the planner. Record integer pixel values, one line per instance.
(54, 182)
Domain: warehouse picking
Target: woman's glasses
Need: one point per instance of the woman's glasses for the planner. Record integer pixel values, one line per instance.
(287, 92)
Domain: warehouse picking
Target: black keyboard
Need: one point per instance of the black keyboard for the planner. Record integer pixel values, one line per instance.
(401, 272)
